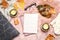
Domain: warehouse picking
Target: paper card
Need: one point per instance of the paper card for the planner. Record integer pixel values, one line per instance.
(30, 23)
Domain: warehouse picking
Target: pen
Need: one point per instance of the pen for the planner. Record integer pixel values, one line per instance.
(30, 6)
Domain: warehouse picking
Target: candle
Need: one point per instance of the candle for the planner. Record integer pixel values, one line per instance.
(45, 27)
(13, 13)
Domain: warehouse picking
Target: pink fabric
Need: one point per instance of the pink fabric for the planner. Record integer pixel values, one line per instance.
(40, 35)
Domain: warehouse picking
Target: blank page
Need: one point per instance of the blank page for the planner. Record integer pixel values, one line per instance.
(30, 23)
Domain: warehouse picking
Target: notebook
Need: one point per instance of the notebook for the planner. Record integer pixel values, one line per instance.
(30, 23)
(7, 31)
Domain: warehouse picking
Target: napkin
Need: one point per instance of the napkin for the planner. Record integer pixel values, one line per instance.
(56, 24)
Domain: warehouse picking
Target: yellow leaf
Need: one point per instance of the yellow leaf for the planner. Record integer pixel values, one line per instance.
(19, 4)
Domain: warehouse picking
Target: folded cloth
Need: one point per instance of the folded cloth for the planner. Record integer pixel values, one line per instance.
(7, 31)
